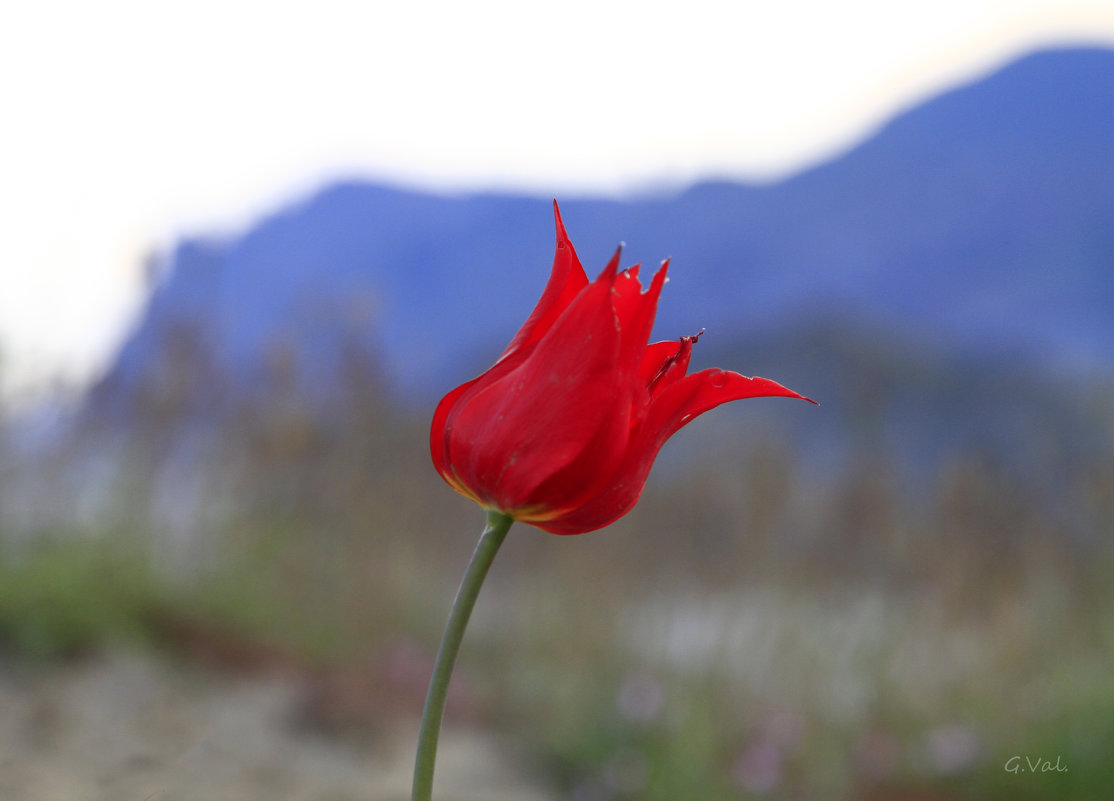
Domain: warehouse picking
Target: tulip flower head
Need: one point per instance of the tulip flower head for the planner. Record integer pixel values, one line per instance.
(561, 432)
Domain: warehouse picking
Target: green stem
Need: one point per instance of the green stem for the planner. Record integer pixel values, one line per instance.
(498, 524)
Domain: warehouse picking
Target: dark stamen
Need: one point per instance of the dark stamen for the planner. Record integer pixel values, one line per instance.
(695, 337)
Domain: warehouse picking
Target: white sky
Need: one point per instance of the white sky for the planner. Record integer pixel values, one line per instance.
(129, 123)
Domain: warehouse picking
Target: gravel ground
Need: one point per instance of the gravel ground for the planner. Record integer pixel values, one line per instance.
(132, 728)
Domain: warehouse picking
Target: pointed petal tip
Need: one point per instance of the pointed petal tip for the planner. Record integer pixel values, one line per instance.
(754, 386)
(782, 391)
(661, 277)
(612, 268)
(798, 396)
(562, 235)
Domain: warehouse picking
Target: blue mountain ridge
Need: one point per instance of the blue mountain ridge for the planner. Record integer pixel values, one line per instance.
(981, 222)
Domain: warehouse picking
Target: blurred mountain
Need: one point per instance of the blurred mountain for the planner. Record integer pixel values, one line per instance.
(981, 223)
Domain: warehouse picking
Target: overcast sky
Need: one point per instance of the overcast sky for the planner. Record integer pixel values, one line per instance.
(131, 123)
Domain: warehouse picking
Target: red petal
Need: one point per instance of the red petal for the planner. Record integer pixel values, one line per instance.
(673, 369)
(655, 358)
(691, 396)
(636, 310)
(513, 434)
(582, 478)
(450, 405)
(437, 429)
(671, 408)
(566, 280)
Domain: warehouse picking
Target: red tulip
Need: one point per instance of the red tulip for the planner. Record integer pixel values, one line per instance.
(561, 432)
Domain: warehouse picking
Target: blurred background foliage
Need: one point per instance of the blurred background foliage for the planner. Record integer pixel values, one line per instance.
(892, 618)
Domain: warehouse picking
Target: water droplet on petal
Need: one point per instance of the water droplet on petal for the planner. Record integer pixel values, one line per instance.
(719, 380)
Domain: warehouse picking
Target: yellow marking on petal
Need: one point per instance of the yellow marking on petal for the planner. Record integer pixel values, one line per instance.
(458, 485)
